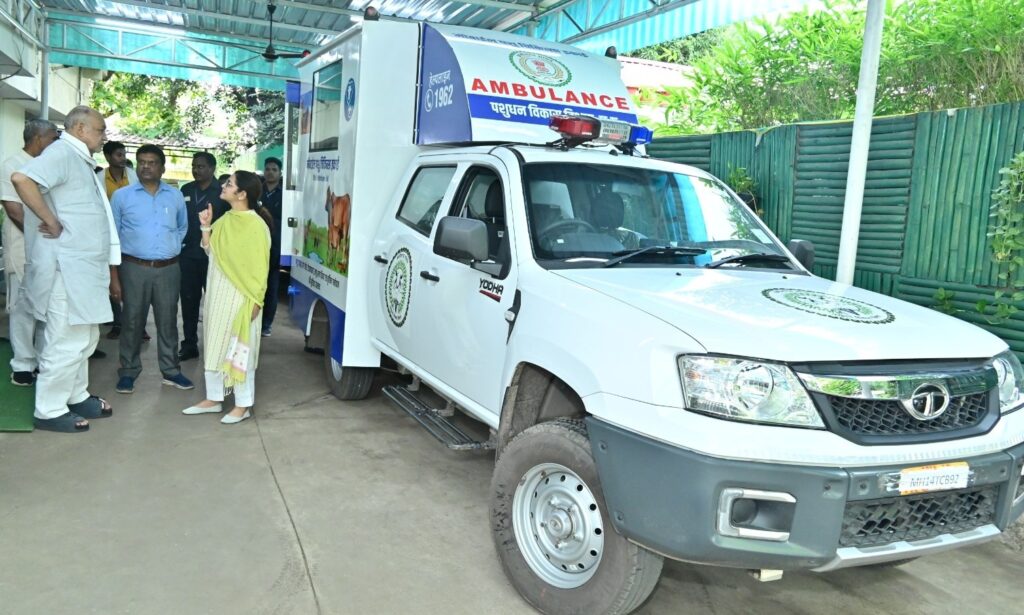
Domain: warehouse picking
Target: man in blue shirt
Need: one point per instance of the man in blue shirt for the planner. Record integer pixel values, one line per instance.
(151, 222)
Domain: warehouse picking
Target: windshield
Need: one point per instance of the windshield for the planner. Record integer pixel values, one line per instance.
(584, 215)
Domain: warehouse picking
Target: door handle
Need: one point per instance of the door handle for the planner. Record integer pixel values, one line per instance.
(380, 259)
(426, 275)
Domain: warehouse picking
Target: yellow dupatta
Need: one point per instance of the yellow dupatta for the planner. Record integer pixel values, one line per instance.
(241, 248)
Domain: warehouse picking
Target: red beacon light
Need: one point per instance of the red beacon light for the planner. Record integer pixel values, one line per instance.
(575, 127)
(579, 129)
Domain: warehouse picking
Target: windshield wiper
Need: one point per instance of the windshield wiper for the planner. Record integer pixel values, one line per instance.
(742, 258)
(625, 255)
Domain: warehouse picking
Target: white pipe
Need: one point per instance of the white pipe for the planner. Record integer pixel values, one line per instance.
(44, 70)
(861, 141)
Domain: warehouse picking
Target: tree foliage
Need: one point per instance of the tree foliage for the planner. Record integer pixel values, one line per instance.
(153, 107)
(180, 111)
(936, 54)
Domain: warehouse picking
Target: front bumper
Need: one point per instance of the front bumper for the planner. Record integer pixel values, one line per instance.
(670, 500)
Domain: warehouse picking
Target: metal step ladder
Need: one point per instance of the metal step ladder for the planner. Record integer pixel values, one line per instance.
(434, 421)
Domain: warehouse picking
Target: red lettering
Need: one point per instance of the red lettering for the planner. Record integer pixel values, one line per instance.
(553, 96)
(499, 87)
(589, 99)
(570, 97)
(622, 103)
(538, 93)
(519, 90)
(606, 101)
(478, 86)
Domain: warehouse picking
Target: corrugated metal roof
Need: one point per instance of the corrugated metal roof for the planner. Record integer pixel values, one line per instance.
(227, 30)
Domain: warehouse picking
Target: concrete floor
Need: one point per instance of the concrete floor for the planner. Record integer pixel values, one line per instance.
(322, 507)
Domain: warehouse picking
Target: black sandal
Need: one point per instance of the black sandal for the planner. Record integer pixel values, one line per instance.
(65, 423)
(92, 407)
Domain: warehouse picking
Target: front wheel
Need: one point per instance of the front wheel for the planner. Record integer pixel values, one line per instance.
(346, 383)
(552, 531)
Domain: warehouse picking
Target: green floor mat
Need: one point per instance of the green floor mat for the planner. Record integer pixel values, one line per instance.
(16, 403)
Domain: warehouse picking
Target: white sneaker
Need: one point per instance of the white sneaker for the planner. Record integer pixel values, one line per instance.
(227, 419)
(201, 410)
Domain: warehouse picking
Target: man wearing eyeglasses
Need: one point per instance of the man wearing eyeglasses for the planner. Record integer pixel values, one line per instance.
(67, 269)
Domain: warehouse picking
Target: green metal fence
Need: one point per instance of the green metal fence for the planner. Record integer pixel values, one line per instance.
(926, 199)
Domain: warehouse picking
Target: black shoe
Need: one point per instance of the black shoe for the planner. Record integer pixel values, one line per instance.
(99, 354)
(114, 333)
(187, 354)
(23, 379)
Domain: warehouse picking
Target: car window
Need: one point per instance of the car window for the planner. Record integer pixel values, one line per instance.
(424, 196)
(326, 111)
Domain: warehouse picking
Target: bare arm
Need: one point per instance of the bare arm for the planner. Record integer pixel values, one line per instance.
(115, 283)
(16, 213)
(29, 192)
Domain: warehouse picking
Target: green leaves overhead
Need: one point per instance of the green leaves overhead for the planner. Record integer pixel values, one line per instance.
(177, 110)
(804, 66)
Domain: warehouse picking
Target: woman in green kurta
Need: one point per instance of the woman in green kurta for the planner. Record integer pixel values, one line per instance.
(239, 248)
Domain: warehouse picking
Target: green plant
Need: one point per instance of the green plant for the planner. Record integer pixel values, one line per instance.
(1006, 236)
(804, 65)
(944, 301)
(740, 181)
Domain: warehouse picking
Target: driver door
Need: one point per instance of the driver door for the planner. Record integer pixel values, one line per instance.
(468, 307)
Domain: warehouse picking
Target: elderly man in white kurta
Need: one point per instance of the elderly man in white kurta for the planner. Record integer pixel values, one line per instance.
(38, 135)
(67, 268)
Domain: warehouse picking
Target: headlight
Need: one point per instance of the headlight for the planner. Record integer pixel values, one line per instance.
(746, 391)
(1010, 376)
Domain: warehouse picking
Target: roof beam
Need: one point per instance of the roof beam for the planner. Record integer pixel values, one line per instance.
(670, 5)
(309, 6)
(144, 27)
(252, 21)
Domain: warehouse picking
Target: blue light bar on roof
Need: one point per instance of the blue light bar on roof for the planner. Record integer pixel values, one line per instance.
(640, 135)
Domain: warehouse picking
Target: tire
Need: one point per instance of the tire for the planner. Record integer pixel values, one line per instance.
(346, 383)
(593, 569)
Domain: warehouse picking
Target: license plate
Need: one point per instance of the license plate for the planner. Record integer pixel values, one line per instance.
(939, 477)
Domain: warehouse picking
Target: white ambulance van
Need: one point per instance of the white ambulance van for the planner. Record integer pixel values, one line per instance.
(661, 376)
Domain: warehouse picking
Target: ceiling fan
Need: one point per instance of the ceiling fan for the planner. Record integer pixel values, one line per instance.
(270, 53)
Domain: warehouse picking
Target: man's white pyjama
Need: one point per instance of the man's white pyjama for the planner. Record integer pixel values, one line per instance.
(64, 361)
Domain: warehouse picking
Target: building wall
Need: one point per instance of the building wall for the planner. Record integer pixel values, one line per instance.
(20, 95)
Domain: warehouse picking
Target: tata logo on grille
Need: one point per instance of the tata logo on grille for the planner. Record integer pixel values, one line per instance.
(928, 401)
(541, 68)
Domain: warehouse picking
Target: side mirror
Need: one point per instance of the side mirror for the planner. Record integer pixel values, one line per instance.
(803, 250)
(461, 239)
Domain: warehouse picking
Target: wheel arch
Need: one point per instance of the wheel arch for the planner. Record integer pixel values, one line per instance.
(535, 395)
(317, 325)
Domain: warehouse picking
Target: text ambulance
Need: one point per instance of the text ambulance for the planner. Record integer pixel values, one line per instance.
(661, 376)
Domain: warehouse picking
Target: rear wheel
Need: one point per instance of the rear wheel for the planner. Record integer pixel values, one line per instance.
(552, 531)
(348, 383)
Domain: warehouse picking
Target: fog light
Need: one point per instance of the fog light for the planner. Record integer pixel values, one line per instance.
(755, 514)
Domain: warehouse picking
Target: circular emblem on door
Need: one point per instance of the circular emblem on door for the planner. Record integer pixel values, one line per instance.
(928, 401)
(829, 306)
(397, 286)
(543, 69)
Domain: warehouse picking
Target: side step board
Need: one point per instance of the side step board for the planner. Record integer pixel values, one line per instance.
(439, 426)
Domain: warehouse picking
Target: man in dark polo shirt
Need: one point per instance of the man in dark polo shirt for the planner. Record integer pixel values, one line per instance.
(271, 199)
(198, 194)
